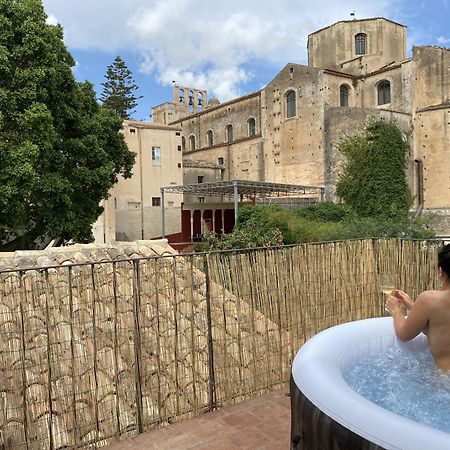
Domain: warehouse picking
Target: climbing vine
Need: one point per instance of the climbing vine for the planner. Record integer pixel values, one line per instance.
(373, 180)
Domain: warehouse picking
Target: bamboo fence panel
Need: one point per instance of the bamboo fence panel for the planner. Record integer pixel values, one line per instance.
(98, 352)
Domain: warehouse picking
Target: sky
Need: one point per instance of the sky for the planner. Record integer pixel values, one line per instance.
(228, 47)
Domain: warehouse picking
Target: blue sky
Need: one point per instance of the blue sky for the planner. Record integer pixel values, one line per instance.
(229, 47)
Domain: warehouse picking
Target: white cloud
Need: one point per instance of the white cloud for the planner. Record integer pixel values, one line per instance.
(76, 67)
(52, 20)
(204, 43)
(443, 40)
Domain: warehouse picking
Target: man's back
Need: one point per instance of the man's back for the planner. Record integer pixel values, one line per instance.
(430, 313)
(437, 307)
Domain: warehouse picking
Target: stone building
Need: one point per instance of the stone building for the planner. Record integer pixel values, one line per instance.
(133, 209)
(289, 131)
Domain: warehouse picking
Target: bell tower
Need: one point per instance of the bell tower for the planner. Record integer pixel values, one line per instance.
(185, 101)
(189, 100)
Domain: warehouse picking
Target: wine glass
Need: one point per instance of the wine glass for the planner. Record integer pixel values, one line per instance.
(386, 282)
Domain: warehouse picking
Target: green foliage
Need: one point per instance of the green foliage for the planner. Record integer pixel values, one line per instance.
(60, 152)
(118, 89)
(380, 228)
(326, 212)
(266, 226)
(376, 198)
(373, 181)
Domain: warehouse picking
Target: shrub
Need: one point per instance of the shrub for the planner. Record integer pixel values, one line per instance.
(380, 228)
(326, 212)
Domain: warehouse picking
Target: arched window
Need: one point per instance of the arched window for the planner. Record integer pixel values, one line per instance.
(290, 104)
(361, 44)
(191, 101)
(343, 94)
(384, 92)
(229, 133)
(191, 142)
(251, 126)
(200, 101)
(183, 143)
(210, 138)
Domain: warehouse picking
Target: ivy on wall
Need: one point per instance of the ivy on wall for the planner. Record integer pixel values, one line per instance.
(373, 181)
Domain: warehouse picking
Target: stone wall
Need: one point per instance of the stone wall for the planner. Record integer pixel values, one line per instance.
(294, 142)
(334, 46)
(432, 143)
(344, 122)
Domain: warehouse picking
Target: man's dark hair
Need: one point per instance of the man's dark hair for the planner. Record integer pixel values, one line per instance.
(444, 259)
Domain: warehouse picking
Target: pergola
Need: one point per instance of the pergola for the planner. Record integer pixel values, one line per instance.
(236, 188)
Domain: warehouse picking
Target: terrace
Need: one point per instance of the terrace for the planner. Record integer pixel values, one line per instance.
(145, 345)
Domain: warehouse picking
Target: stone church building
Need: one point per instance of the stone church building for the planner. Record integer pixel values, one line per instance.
(289, 131)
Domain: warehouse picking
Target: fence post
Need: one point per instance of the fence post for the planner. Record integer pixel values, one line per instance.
(212, 380)
(49, 363)
(116, 349)
(72, 355)
(175, 344)
(94, 348)
(137, 346)
(24, 374)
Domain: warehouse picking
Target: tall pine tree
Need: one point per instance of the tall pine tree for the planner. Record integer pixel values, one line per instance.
(118, 90)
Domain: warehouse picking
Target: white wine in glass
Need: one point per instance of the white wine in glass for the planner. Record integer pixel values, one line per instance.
(387, 290)
(387, 283)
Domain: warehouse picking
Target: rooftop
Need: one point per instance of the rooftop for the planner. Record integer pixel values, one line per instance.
(201, 164)
(247, 188)
(149, 125)
(357, 20)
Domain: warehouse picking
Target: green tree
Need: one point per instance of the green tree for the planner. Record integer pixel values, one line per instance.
(118, 90)
(373, 181)
(60, 152)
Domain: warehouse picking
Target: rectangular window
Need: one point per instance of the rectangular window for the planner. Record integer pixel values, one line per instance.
(200, 179)
(156, 156)
(201, 199)
(134, 205)
(156, 201)
(220, 161)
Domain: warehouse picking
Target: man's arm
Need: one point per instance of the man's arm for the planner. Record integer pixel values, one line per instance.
(417, 320)
(404, 298)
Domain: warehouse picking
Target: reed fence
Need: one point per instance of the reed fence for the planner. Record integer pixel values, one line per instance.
(97, 352)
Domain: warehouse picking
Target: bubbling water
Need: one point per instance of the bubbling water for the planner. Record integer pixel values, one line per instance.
(406, 383)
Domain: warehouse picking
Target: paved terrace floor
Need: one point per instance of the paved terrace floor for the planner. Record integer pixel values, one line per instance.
(262, 423)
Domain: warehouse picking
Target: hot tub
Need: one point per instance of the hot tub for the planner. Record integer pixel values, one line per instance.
(327, 414)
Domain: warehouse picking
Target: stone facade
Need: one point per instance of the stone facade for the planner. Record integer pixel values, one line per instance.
(334, 47)
(133, 209)
(356, 69)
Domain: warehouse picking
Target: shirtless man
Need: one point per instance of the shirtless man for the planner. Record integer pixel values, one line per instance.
(430, 313)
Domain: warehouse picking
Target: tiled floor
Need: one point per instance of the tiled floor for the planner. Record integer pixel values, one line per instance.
(262, 423)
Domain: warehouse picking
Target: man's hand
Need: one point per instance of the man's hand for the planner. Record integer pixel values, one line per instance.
(404, 298)
(393, 305)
